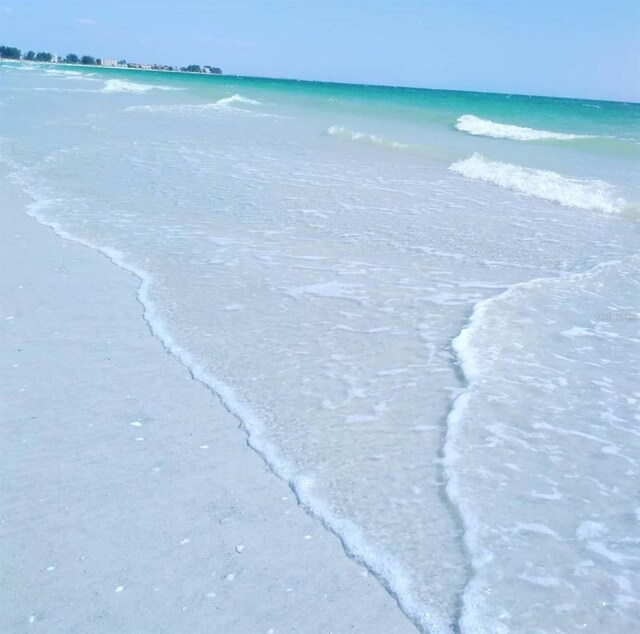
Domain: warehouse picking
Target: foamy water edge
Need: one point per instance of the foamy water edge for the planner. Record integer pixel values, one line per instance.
(474, 363)
(388, 572)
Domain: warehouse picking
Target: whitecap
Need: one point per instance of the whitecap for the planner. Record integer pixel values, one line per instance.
(588, 194)
(227, 101)
(55, 71)
(352, 135)
(485, 127)
(120, 85)
(226, 104)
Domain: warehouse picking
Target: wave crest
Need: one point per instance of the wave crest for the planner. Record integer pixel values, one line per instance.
(55, 71)
(352, 135)
(120, 85)
(227, 101)
(222, 105)
(593, 195)
(485, 127)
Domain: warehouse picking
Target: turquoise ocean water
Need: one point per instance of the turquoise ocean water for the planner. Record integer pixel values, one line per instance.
(422, 306)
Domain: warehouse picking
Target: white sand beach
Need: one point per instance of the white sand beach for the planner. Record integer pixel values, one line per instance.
(130, 499)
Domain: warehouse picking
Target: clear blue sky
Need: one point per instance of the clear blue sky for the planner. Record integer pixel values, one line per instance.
(574, 48)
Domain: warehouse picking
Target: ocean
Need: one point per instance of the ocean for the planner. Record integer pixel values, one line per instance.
(422, 306)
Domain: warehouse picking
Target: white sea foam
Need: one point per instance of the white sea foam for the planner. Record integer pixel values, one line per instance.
(481, 348)
(352, 135)
(54, 71)
(55, 89)
(227, 101)
(120, 85)
(71, 75)
(110, 86)
(226, 104)
(583, 194)
(485, 127)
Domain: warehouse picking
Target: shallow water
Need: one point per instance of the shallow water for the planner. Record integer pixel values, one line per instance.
(429, 331)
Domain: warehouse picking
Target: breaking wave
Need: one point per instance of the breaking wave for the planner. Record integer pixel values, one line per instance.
(71, 75)
(584, 194)
(225, 105)
(484, 127)
(227, 101)
(55, 71)
(120, 85)
(351, 135)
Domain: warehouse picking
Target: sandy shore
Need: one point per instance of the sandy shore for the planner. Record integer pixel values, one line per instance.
(130, 501)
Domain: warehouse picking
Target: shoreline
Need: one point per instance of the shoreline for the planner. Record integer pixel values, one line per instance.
(121, 439)
(348, 83)
(150, 70)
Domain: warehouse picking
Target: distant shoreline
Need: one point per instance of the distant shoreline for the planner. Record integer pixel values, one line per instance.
(78, 65)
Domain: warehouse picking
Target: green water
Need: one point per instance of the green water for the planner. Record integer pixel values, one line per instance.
(580, 116)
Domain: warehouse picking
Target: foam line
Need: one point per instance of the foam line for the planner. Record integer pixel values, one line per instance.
(474, 363)
(378, 563)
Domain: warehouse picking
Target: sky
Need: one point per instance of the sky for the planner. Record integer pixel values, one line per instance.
(567, 48)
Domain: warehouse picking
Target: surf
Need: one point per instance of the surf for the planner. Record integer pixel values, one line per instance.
(485, 127)
(591, 195)
(120, 85)
(341, 132)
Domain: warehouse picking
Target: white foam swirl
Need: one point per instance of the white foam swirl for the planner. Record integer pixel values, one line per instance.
(584, 194)
(485, 127)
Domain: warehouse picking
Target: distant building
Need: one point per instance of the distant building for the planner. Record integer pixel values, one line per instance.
(108, 62)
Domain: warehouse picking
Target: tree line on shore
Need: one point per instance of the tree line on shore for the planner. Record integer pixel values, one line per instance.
(11, 52)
